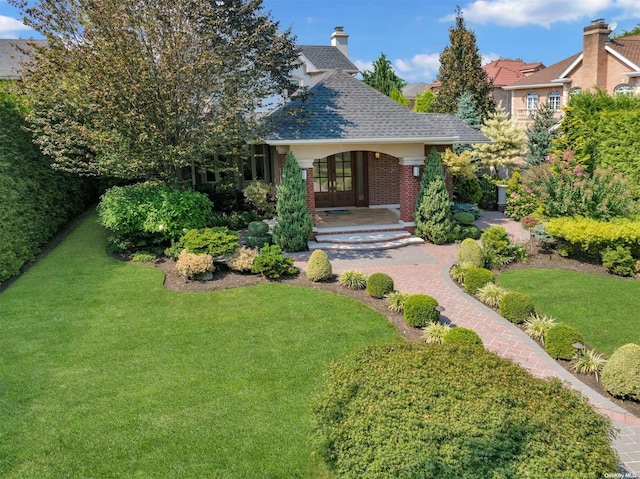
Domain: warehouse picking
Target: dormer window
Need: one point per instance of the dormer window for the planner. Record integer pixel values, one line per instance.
(294, 85)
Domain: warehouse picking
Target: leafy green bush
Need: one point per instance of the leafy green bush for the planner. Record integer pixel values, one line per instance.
(560, 339)
(497, 248)
(379, 284)
(464, 218)
(242, 260)
(319, 266)
(36, 201)
(142, 256)
(621, 374)
(516, 307)
(217, 241)
(258, 241)
(476, 278)
(258, 228)
(470, 253)
(272, 263)
(461, 335)
(467, 191)
(466, 208)
(262, 197)
(353, 279)
(433, 333)
(420, 310)
(619, 261)
(592, 237)
(467, 231)
(435, 411)
(396, 301)
(152, 212)
(234, 220)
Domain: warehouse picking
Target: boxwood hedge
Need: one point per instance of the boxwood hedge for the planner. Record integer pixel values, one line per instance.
(412, 410)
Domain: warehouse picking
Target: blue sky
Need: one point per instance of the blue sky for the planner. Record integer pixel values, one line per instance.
(413, 33)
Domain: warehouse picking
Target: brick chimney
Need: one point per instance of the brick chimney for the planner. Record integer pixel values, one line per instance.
(594, 56)
(341, 40)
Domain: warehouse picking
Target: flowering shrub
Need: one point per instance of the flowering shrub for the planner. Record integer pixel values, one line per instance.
(567, 190)
(520, 199)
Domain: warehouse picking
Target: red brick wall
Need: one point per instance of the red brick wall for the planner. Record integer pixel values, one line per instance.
(311, 199)
(384, 183)
(409, 188)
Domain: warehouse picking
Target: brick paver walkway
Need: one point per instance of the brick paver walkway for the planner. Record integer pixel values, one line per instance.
(425, 269)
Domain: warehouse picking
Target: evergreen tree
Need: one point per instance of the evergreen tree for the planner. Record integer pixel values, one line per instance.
(461, 71)
(467, 113)
(397, 95)
(294, 223)
(433, 211)
(540, 136)
(508, 142)
(424, 102)
(383, 78)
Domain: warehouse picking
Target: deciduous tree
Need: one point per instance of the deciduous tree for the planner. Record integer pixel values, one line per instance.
(424, 102)
(141, 89)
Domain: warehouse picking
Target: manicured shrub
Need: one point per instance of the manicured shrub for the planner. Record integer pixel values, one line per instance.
(537, 327)
(234, 220)
(142, 256)
(242, 260)
(621, 374)
(272, 263)
(379, 285)
(192, 264)
(470, 253)
(497, 248)
(516, 307)
(353, 279)
(293, 221)
(466, 208)
(434, 411)
(464, 218)
(476, 278)
(152, 212)
(396, 301)
(217, 241)
(619, 261)
(319, 266)
(468, 231)
(496, 238)
(420, 310)
(491, 294)
(261, 196)
(433, 333)
(258, 228)
(258, 241)
(461, 335)
(560, 339)
(467, 191)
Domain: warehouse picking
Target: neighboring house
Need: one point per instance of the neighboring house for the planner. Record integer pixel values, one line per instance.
(358, 147)
(11, 57)
(611, 64)
(411, 91)
(504, 72)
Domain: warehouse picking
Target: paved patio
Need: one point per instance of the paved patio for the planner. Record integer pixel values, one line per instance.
(425, 269)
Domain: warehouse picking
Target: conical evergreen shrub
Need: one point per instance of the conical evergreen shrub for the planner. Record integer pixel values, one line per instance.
(293, 220)
(433, 212)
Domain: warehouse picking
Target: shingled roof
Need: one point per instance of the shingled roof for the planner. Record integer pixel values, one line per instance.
(324, 58)
(343, 108)
(11, 57)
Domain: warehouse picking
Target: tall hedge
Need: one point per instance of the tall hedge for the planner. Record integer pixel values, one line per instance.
(35, 201)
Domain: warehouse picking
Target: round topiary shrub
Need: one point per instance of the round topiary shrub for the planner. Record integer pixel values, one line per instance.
(319, 266)
(258, 228)
(415, 410)
(476, 278)
(516, 307)
(559, 341)
(462, 336)
(470, 253)
(464, 218)
(470, 231)
(621, 373)
(420, 310)
(258, 241)
(379, 284)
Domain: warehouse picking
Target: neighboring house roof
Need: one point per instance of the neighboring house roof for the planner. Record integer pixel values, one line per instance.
(506, 72)
(11, 57)
(412, 90)
(323, 58)
(546, 75)
(343, 108)
(628, 47)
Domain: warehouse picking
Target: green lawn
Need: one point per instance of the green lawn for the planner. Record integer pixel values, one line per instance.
(604, 309)
(104, 373)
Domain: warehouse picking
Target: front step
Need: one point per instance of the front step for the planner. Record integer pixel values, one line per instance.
(371, 240)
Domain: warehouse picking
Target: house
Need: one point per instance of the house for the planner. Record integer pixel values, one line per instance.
(359, 148)
(12, 56)
(411, 91)
(611, 64)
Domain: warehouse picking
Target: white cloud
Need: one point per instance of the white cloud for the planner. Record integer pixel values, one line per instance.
(515, 13)
(363, 65)
(422, 67)
(489, 57)
(9, 27)
(630, 8)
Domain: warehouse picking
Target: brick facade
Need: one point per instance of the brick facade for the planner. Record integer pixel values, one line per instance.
(311, 198)
(409, 188)
(383, 178)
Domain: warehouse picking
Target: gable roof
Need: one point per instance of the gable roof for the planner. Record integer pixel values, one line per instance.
(503, 72)
(323, 58)
(344, 109)
(11, 57)
(412, 90)
(546, 75)
(628, 47)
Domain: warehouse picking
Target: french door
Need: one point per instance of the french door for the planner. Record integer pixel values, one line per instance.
(335, 179)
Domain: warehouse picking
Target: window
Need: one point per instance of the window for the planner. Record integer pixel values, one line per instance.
(575, 91)
(623, 89)
(532, 101)
(554, 99)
